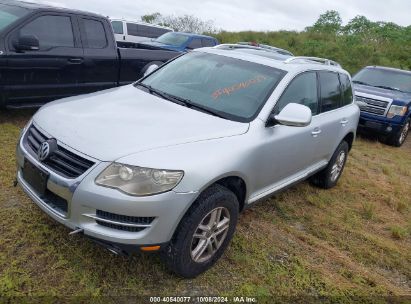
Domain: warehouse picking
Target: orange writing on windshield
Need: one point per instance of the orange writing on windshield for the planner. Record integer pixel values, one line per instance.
(238, 86)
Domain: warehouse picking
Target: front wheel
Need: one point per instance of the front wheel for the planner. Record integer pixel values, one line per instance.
(399, 138)
(204, 233)
(328, 177)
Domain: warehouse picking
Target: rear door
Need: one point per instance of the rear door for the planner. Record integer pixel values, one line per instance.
(101, 62)
(53, 71)
(331, 120)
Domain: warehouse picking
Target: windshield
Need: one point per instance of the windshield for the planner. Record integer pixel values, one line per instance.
(233, 88)
(172, 39)
(388, 79)
(9, 14)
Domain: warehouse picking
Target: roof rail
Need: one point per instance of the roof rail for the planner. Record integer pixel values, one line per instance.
(261, 47)
(314, 59)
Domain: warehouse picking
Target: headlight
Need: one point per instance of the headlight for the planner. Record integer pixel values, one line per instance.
(396, 111)
(138, 181)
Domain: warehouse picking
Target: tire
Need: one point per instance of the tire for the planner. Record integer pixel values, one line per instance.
(155, 64)
(180, 256)
(399, 138)
(328, 177)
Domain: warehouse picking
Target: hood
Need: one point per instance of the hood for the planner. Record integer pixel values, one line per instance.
(114, 123)
(394, 95)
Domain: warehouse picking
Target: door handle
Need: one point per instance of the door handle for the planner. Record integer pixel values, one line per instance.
(344, 121)
(75, 61)
(316, 132)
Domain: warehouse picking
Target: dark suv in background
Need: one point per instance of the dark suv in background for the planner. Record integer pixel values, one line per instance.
(384, 97)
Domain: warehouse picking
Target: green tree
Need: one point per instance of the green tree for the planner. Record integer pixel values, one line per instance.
(329, 22)
(152, 18)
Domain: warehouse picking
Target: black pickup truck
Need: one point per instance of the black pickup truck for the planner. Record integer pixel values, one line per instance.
(48, 53)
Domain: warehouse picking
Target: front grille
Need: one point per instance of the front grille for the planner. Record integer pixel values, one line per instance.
(373, 106)
(123, 222)
(62, 161)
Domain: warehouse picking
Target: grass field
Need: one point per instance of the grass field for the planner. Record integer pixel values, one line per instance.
(351, 242)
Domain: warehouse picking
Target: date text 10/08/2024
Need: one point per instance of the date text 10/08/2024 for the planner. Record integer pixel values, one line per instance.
(199, 299)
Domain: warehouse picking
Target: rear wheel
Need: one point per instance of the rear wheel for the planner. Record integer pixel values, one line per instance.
(204, 233)
(328, 177)
(399, 138)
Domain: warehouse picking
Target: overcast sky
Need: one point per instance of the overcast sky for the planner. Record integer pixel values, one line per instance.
(237, 15)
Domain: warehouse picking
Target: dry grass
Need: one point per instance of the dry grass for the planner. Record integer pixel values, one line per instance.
(349, 243)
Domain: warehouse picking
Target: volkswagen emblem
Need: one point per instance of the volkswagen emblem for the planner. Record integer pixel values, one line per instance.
(44, 151)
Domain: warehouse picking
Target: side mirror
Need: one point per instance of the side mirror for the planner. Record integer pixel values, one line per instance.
(151, 69)
(27, 43)
(294, 115)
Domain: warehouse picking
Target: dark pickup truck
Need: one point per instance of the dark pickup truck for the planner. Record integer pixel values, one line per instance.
(48, 53)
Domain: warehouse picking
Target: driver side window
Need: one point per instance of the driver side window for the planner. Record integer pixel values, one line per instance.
(302, 90)
(51, 31)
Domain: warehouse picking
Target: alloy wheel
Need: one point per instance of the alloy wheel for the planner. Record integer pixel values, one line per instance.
(404, 132)
(338, 166)
(210, 234)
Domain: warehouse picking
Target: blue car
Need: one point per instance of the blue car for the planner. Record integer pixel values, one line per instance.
(384, 97)
(182, 42)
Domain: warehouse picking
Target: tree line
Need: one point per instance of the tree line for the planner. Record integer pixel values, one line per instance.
(359, 43)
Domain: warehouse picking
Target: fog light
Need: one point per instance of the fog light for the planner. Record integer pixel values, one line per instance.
(389, 129)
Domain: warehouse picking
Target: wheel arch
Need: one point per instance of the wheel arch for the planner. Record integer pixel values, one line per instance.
(349, 138)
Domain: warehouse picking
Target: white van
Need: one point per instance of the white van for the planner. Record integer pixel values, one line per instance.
(128, 32)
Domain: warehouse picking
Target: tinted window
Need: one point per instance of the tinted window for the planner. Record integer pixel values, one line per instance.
(346, 89)
(95, 34)
(10, 13)
(142, 30)
(302, 90)
(132, 29)
(207, 42)
(117, 27)
(236, 89)
(52, 31)
(330, 91)
(195, 43)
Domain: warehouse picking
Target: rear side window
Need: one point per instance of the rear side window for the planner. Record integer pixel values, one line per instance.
(302, 90)
(195, 44)
(132, 29)
(346, 90)
(51, 31)
(95, 34)
(330, 91)
(142, 30)
(117, 27)
(207, 42)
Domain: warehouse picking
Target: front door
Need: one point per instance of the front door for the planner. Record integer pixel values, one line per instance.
(53, 71)
(286, 152)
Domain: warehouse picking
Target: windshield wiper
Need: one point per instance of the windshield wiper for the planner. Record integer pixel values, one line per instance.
(388, 88)
(179, 100)
(161, 94)
(189, 104)
(361, 82)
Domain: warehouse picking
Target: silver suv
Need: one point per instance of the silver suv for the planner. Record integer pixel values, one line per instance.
(168, 163)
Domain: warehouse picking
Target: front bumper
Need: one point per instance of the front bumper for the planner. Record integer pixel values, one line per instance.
(378, 125)
(84, 198)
